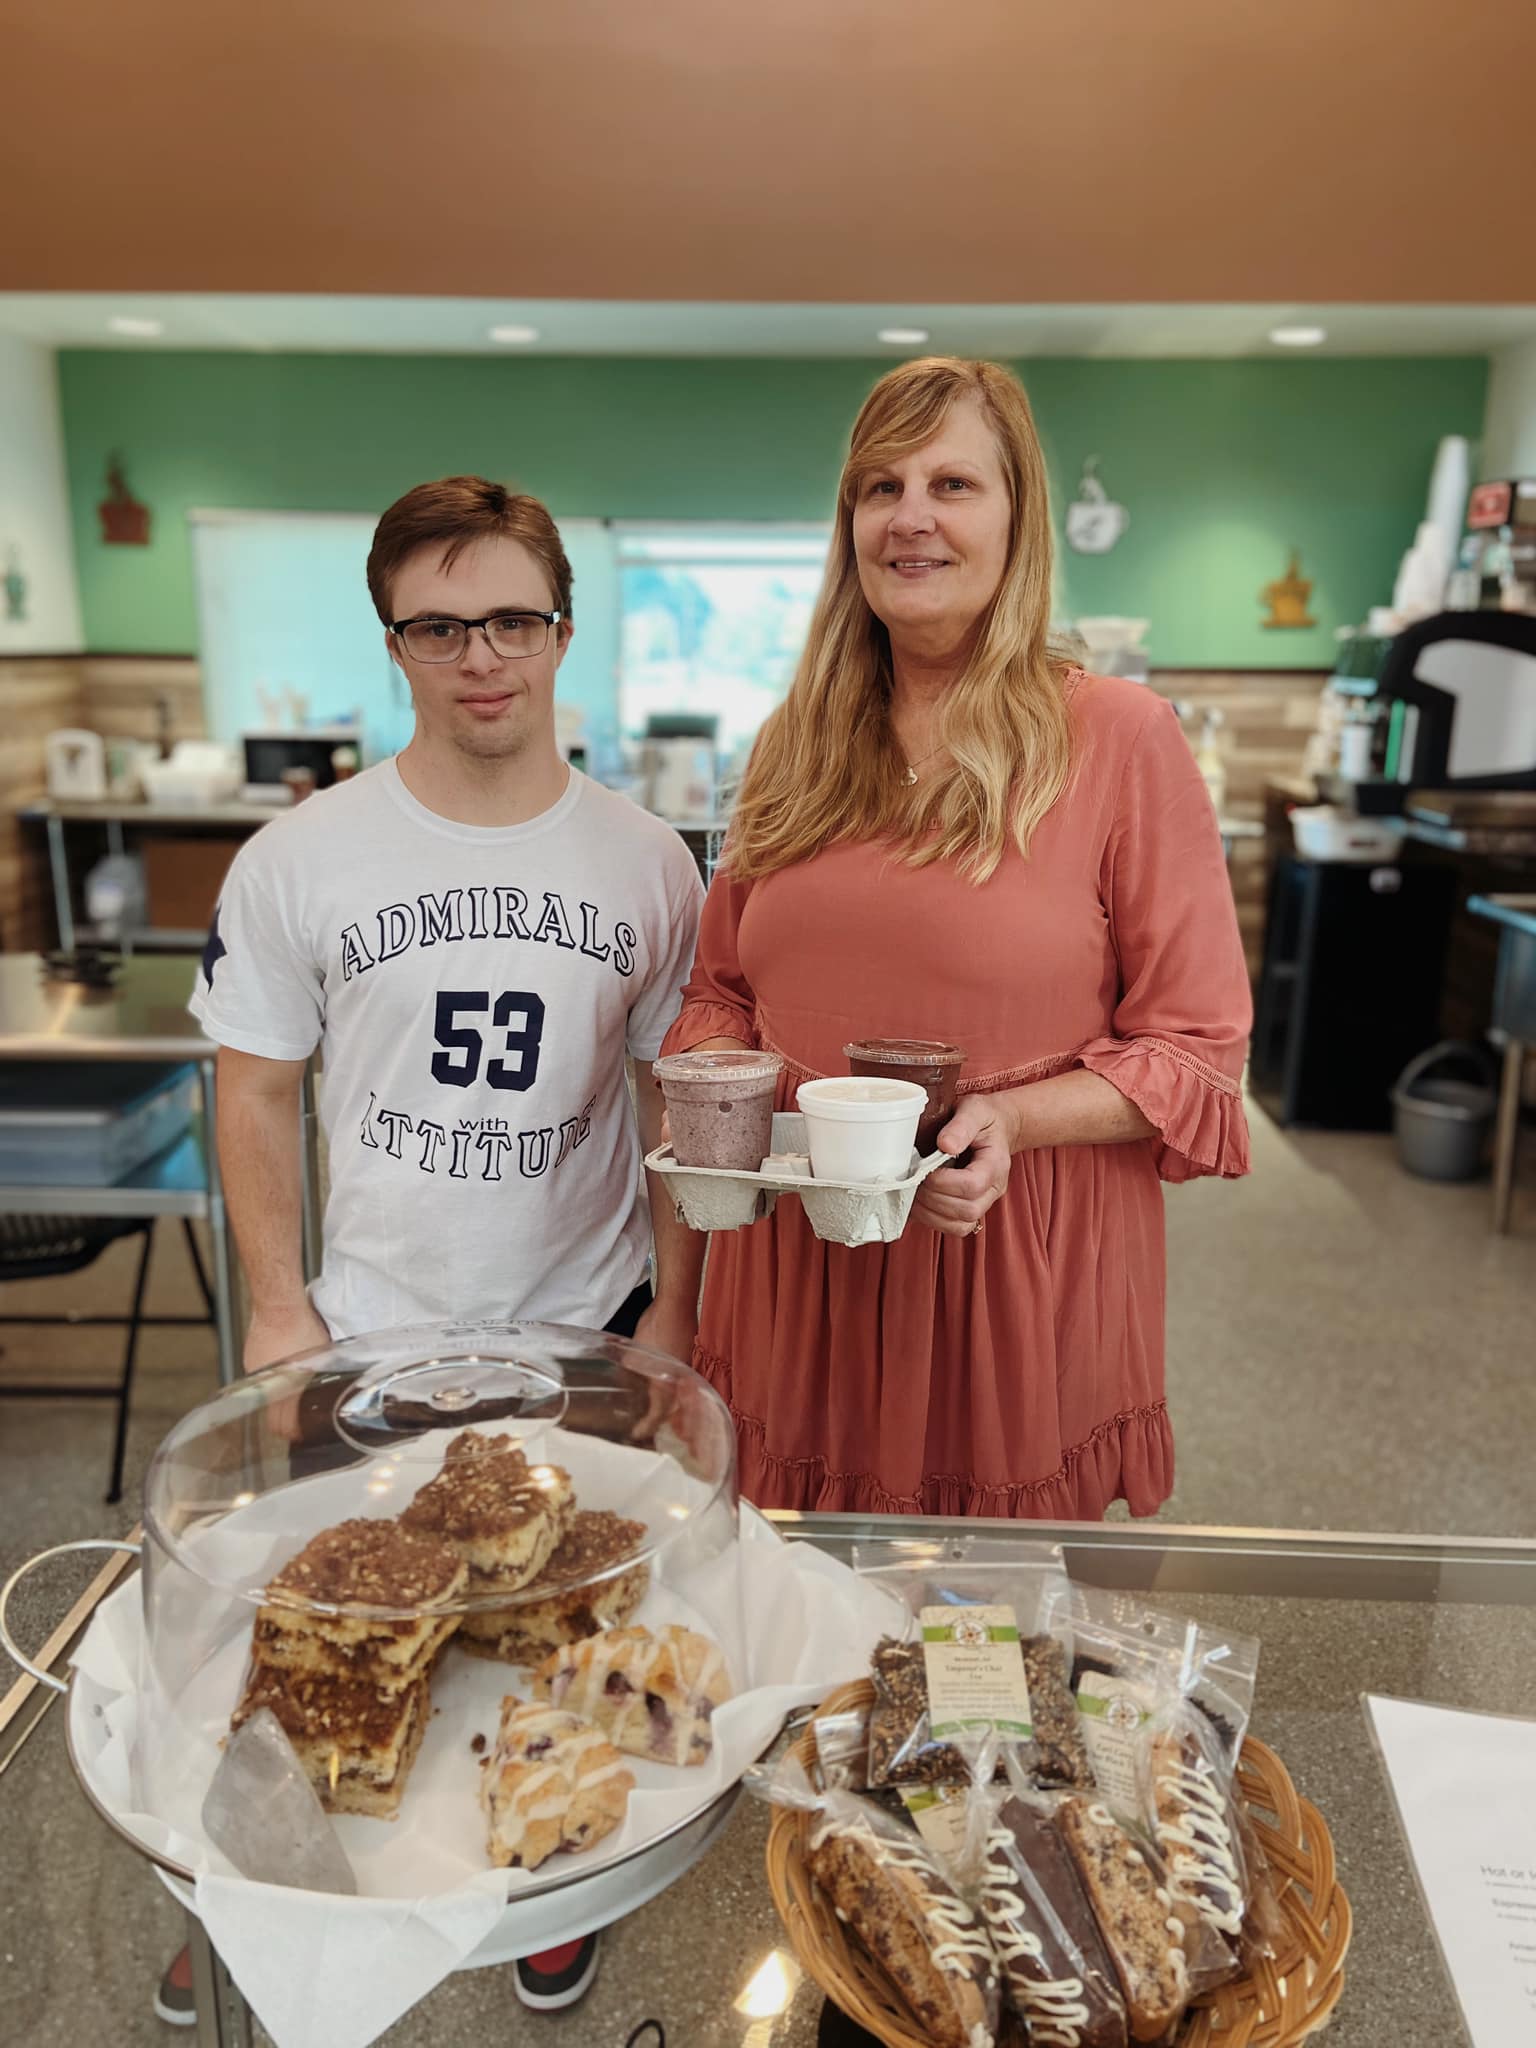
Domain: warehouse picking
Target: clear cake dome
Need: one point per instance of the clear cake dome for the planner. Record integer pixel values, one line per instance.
(500, 1483)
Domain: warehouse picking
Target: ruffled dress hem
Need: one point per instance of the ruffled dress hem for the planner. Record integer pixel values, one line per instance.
(1128, 1457)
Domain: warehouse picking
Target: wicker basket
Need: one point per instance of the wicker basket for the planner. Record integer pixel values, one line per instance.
(1277, 2006)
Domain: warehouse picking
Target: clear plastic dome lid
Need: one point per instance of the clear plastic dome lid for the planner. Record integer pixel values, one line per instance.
(388, 1546)
(498, 1444)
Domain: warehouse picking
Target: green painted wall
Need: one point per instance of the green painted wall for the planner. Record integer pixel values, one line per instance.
(1224, 466)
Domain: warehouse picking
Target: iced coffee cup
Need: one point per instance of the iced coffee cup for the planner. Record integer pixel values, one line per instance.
(860, 1130)
(934, 1066)
(720, 1107)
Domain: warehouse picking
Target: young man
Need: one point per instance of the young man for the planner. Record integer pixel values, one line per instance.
(476, 936)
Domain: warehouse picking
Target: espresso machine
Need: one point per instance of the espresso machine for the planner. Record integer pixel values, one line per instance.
(1368, 962)
(1450, 704)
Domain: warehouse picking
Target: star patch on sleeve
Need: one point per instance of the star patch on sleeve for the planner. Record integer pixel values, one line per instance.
(215, 949)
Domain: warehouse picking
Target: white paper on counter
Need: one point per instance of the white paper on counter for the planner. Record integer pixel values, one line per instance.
(1465, 1788)
(426, 1899)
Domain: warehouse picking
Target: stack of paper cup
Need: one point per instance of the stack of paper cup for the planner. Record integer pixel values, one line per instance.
(861, 1129)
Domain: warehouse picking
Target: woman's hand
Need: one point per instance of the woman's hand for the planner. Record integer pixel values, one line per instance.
(955, 1199)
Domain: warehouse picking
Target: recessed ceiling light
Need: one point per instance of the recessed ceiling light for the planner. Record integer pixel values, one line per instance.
(904, 337)
(1298, 337)
(514, 334)
(145, 330)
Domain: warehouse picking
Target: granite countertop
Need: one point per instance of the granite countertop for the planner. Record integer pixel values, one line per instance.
(710, 1960)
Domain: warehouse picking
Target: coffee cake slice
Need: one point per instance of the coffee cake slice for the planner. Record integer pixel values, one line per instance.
(595, 1541)
(500, 1514)
(361, 1564)
(354, 1744)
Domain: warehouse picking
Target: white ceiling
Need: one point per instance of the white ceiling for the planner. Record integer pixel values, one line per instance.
(440, 326)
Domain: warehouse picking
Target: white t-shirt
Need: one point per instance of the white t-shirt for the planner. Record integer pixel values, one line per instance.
(475, 989)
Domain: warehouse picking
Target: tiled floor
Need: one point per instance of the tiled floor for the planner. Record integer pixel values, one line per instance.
(1347, 1349)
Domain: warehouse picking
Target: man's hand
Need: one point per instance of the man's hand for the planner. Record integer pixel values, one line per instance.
(276, 1334)
(670, 1327)
(955, 1199)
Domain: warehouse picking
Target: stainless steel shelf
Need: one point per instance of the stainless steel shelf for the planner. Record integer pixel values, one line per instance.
(173, 1183)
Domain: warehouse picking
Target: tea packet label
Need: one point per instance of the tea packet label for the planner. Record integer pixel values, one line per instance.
(975, 1670)
(1110, 1715)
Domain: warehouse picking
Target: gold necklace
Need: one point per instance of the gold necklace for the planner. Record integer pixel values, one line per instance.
(921, 762)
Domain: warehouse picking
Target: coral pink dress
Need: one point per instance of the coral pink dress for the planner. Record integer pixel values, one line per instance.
(1018, 1371)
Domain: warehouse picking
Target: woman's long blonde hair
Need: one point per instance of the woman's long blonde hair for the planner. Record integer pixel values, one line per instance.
(826, 766)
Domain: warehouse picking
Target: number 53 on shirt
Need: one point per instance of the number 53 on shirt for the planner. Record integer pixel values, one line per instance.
(517, 1013)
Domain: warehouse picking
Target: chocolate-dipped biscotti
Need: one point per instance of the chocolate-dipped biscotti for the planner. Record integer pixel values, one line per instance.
(1057, 1975)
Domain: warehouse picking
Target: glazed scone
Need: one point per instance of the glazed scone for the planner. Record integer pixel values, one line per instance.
(1135, 1912)
(365, 1564)
(498, 1513)
(654, 1694)
(552, 1781)
(355, 1745)
(595, 1541)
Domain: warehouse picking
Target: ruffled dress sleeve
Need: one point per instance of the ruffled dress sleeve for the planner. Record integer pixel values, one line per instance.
(717, 1001)
(1179, 1034)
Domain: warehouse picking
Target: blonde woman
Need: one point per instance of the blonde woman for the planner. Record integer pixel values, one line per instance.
(947, 832)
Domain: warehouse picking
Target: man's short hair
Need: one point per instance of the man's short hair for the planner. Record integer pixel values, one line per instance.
(455, 512)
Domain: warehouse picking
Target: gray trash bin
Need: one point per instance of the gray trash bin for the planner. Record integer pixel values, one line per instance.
(1442, 1123)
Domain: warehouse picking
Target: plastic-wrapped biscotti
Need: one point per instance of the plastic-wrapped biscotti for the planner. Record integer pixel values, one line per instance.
(1135, 1912)
(1187, 1785)
(889, 1889)
(1057, 1975)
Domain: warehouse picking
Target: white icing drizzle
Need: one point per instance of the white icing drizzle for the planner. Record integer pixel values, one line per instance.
(685, 1671)
(961, 1937)
(1055, 2007)
(1202, 1869)
(510, 1788)
(1173, 1956)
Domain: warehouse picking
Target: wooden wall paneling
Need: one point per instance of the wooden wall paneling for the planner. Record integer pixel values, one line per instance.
(38, 695)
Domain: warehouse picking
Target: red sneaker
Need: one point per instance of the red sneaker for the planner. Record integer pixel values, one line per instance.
(558, 1977)
(174, 2002)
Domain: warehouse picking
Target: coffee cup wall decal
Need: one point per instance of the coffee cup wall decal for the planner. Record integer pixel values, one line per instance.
(1094, 521)
(124, 521)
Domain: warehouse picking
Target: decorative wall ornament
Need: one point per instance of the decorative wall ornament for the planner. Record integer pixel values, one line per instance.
(1287, 596)
(14, 584)
(1094, 521)
(124, 521)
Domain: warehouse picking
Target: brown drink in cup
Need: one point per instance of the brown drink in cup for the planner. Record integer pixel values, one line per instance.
(933, 1065)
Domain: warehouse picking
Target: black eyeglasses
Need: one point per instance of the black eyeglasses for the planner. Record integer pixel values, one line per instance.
(509, 634)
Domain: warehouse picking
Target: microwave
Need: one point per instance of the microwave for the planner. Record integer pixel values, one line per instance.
(267, 754)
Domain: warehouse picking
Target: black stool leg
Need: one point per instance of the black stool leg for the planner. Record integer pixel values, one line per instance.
(198, 1267)
(125, 1391)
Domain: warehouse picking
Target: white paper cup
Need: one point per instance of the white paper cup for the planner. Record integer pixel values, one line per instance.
(861, 1129)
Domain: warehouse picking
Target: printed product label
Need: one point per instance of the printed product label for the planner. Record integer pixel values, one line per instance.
(939, 1815)
(975, 1668)
(1110, 1714)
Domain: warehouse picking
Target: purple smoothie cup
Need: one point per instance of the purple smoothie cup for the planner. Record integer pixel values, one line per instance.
(720, 1107)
